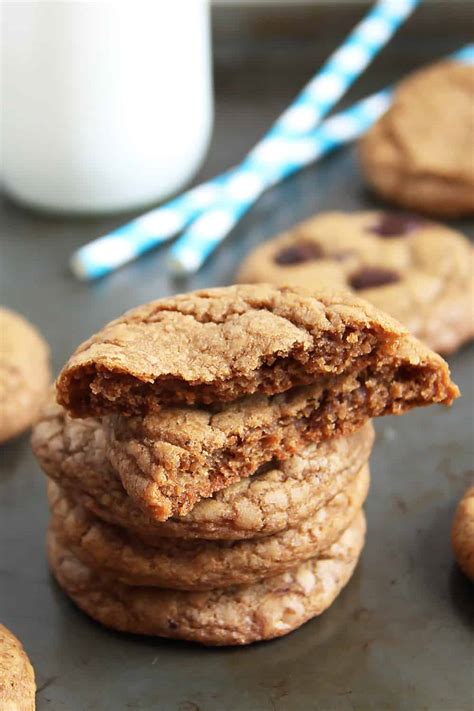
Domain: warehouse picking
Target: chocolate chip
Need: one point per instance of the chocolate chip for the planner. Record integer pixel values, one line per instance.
(298, 253)
(172, 624)
(397, 224)
(370, 277)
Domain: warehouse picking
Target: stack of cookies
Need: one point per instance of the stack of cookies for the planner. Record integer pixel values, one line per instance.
(207, 457)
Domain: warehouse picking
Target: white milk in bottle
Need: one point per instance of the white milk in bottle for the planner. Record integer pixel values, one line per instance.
(107, 105)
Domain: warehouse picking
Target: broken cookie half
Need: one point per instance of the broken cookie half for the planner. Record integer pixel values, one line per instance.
(205, 388)
(225, 343)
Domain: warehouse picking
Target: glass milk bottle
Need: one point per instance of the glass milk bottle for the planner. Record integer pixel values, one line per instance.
(107, 105)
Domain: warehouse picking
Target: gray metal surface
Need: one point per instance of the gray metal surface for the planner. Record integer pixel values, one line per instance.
(400, 635)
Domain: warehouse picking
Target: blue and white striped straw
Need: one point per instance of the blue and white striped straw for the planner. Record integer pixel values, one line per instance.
(279, 155)
(123, 245)
(243, 188)
(157, 226)
(339, 72)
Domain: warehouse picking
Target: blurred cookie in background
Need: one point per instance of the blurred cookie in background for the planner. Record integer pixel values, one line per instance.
(420, 154)
(17, 678)
(418, 271)
(462, 535)
(24, 373)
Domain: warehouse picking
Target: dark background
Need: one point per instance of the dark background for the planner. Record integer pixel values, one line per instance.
(400, 636)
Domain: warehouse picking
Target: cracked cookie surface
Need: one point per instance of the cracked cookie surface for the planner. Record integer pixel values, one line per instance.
(236, 615)
(199, 564)
(419, 154)
(72, 452)
(420, 272)
(362, 364)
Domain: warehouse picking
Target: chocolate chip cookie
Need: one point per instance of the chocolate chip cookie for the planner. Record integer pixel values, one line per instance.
(72, 452)
(199, 564)
(17, 678)
(420, 272)
(24, 374)
(235, 615)
(462, 535)
(420, 153)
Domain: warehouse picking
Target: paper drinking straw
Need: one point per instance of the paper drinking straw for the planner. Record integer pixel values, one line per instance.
(208, 231)
(108, 253)
(273, 159)
(337, 74)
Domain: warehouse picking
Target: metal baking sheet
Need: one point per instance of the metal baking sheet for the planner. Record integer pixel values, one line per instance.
(400, 635)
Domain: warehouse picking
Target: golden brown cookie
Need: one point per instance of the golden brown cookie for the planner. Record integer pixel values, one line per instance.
(236, 615)
(24, 373)
(420, 272)
(361, 362)
(420, 154)
(72, 452)
(198, 564)
(462, 534)
(221, 344)
(17, 678)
